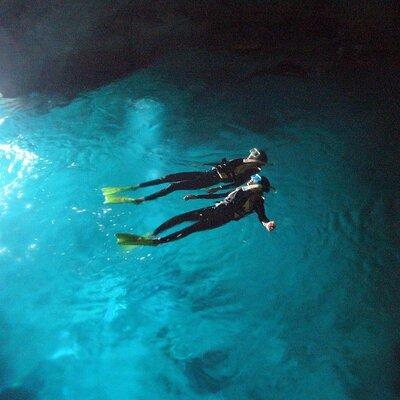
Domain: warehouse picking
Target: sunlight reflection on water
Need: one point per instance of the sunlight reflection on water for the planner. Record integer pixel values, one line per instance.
(18, 163)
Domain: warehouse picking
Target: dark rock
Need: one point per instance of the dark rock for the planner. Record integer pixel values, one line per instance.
(202, 374)
(284, 68)
(65, 47)
(62, 46)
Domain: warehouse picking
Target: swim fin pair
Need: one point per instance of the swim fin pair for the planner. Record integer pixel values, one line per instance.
(128, 239)
(111, 198)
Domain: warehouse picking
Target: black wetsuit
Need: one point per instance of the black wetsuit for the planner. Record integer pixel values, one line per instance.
(233, 172)
(235, 206)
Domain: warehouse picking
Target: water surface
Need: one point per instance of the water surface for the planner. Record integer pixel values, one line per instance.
(309, 311)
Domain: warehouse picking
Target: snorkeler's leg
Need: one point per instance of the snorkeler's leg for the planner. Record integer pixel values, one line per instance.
(112, 199)
(180, 176)
(189, 216)
(204, 179)
(160, 193)
(181, 185)
(207, 179)
(202, 225)
(206, 222)
(186, 180)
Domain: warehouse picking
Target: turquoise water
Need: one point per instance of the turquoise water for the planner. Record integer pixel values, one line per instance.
(309, 311)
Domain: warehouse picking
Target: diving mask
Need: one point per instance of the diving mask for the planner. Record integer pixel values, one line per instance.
(256, 178)
(255, 153)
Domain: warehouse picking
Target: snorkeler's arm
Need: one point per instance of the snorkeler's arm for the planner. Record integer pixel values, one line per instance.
(260, 210)
(205, 196)
(233, 163)
(214, 164)
(228, 186)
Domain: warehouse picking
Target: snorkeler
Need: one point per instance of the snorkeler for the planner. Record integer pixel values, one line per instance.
(236, 205)
(232, 172)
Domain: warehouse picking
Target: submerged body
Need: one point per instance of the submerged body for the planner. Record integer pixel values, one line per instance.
(235, 205)
(231, 173)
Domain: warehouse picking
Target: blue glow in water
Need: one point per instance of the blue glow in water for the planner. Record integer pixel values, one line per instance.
(309, 311)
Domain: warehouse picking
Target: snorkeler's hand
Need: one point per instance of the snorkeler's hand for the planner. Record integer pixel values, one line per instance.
(189, 197)
(213, 190)
(270, 226)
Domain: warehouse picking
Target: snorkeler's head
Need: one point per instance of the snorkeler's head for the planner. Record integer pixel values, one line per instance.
(259, 155)
(260, 180)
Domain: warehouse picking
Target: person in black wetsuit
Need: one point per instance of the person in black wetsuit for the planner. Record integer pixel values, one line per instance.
(236, 205)
(232, 173)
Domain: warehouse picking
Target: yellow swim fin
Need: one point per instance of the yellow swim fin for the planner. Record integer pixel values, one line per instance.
(128, 239)
(111, 199)
(118, 189)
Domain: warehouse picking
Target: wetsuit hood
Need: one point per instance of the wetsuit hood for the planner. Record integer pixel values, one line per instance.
(259, 155)
(260, 182)
(266, 185)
